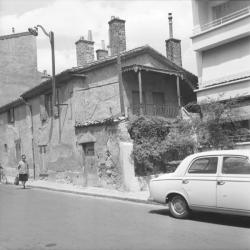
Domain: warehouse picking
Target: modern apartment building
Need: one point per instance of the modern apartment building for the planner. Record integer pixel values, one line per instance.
(221, 40)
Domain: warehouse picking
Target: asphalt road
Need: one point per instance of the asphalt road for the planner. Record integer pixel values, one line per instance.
(39, 219)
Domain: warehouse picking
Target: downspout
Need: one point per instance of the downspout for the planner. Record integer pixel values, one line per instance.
(32, 135)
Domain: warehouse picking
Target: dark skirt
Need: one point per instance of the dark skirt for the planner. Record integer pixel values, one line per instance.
(23, 177)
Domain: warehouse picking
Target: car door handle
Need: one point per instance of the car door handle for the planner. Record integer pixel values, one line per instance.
(220, 182)
(185, 181)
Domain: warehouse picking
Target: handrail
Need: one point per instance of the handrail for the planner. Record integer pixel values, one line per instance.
(165, 110)
(245, 137)
(222, 20)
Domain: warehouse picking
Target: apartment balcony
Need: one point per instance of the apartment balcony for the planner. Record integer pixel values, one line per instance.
(223, 30)
(241, 138)
(165, 110)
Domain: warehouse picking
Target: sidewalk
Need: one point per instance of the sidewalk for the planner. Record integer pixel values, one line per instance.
(139, 197)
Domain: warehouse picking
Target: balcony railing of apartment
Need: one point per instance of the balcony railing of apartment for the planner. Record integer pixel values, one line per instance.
(165, 110)
(245, 137)
(222, 20)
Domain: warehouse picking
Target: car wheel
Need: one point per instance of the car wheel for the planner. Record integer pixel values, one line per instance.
(178, 207)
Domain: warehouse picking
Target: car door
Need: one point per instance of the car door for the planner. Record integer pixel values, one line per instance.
(199, 182)
(233, 185)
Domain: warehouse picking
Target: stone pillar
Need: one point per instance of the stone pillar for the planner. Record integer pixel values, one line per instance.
(117, 36)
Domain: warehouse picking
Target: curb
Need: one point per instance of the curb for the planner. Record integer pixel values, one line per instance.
(84, 193)
(135, 200)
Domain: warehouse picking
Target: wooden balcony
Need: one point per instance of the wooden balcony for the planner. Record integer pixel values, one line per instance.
(165, 110)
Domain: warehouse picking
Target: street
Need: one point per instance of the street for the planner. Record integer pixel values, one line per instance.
(38, 219)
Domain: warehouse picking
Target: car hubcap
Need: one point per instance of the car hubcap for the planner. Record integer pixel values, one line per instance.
(179, 206)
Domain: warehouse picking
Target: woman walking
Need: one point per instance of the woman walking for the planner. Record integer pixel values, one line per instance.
(23, 170)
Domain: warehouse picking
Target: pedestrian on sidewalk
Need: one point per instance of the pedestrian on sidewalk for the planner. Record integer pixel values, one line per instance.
(23, 170)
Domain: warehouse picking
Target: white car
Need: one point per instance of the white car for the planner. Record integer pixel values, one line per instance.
(215, 181)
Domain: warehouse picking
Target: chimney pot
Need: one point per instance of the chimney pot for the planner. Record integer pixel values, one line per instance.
(103, 44)
(90, 38)
(170, 21)
(173, 46)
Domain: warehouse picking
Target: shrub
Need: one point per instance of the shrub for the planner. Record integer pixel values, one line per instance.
(158, 141)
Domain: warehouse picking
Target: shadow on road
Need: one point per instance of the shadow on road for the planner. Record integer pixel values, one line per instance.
(21, 188)
(220, 219)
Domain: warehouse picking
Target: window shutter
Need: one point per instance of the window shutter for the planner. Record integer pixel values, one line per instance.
(43, 112)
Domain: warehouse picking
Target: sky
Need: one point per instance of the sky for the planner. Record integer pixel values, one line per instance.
(146, 23)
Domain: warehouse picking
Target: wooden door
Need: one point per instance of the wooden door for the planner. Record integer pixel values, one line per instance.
(90, 165)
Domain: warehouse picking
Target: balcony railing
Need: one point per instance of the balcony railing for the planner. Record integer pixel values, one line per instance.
(241, 138)
(165, 110)
(221, 21)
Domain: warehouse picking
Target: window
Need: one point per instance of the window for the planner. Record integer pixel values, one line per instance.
(5, 148)
(228, 8)
(206, 165)
(89, 149)
(48, 104)
(236, 165)
(11, 117)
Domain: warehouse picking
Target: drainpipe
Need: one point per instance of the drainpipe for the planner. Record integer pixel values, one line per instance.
(32, 135)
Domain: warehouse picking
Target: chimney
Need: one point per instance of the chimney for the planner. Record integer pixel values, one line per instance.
(102, 53)
(85, 50)
(117, 36)
(173, 46)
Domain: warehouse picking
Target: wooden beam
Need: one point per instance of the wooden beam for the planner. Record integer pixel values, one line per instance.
(178, 91)
(140, 92)
(120, 83)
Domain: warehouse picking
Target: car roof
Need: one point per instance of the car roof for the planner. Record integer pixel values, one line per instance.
(245, 152)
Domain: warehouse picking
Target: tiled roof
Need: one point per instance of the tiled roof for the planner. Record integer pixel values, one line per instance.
(80, 70)
(109, 120)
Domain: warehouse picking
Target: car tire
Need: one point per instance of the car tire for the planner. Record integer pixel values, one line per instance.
(178, 207)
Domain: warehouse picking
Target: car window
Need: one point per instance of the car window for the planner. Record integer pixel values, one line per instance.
(236, 165)
(206, 165)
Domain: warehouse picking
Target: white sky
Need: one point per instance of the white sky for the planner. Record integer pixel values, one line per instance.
(146, 23)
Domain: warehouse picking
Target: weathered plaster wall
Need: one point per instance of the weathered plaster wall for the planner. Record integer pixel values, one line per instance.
(107, 171)
(60, 154)
(97, 97)
(10, 133)
(18, 66)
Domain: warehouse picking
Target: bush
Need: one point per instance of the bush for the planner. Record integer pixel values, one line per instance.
(157, 141)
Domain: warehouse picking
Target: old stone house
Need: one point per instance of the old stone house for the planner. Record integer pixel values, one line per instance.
(82, 143)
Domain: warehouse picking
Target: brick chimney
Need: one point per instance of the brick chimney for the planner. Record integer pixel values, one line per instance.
(173, 46)
(117, 36)
(102, 53)
(85, 50)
